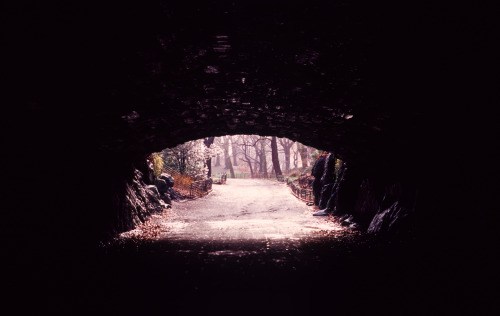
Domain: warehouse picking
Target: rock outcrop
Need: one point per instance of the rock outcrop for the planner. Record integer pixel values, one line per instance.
(393, 221)
(317, 172)
(142, 200)
(365, 204)
(165, 183)
(169, 180)
(161, 185)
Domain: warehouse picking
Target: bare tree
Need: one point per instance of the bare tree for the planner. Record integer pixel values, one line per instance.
(287, 145)
(295, 156)
(257, 151)
(303, 154)
(260, 161)
(246, 147)
(234, 149)
(208, 141)
(263, 160)
(275, 157)
(227, 157)
(218, 142)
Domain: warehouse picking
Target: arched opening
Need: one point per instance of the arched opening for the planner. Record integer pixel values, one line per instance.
(258, 238)
(323, 181)
(247, 186)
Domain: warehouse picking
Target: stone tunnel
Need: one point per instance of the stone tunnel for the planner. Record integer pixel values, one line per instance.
(93, 90)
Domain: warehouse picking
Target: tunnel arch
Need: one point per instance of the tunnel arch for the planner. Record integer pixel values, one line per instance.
(321, 76)
(76, 85)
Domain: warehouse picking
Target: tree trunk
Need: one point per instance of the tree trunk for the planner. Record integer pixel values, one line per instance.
(263, 161)
(258, 164)
(227, 159)
(208, 142)
(287, 158)
(217, 161)
(258, 158)
(182, 165)
(303, 154)
(230, 167)
(275, 158)
(295, 159)
(226, 153)
(250, 166)
(287, 146)
(234, 148)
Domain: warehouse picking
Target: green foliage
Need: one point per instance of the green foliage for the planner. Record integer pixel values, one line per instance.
(315, 154)
(294, 178)
(294, 172)
(338, 165)
(306, 171)
(157, 164)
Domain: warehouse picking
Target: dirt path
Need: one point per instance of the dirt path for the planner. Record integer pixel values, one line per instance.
(246, 209)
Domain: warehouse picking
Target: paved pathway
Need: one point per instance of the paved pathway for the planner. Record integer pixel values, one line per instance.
(246, 209)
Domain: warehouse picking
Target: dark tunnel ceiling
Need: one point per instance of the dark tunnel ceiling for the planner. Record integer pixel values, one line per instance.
(334, 75)
(218, 68)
